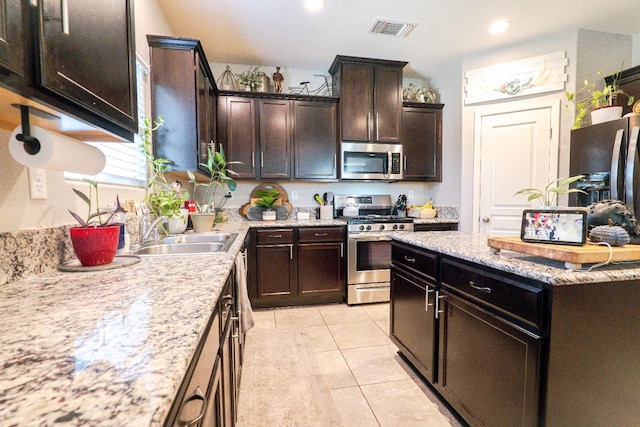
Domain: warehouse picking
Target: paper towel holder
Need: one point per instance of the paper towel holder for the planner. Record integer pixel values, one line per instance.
(31, 144)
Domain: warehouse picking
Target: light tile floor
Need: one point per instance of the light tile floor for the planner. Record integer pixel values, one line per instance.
(371, 385)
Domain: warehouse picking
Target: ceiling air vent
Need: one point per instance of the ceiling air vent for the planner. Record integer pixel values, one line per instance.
(392, 28)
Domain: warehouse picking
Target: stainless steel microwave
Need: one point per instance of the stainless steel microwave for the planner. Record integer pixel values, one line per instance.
(361, 161)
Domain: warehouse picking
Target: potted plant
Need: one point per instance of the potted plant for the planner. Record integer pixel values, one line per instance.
(95, 241)
(250, 79)
(163, 199)
(549, 195)
(600, 102)
(220, 182)
(267, 200)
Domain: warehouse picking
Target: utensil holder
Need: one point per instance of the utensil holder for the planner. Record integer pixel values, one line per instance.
(326, 212)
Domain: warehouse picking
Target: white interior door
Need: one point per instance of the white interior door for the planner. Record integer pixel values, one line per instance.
(517, 149)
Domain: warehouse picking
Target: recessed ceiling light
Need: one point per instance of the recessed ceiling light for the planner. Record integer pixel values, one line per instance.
(314, 5)
(499, 26)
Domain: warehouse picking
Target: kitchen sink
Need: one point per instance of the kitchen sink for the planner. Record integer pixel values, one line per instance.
(191, 244)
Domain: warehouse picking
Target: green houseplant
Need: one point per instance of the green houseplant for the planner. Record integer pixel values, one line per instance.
(95, 240)
(267, 200)
(163, 198)
(214, 193)
(549, 195)
(250, 79)
(593, 96)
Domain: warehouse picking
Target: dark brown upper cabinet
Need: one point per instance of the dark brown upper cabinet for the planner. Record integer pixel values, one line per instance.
(315, 140)
(422, 141)
(87, 56)
(183, 93)
(370, 93)
(75, 57)
(11, 33)
(279, 136)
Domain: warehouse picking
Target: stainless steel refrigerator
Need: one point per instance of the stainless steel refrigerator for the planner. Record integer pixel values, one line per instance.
(607, 154)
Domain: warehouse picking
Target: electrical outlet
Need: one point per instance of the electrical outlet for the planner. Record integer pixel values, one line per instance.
(37, 184)
(410, 195)
(294, 195)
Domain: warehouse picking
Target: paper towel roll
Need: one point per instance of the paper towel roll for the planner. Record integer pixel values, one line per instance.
(58, 152)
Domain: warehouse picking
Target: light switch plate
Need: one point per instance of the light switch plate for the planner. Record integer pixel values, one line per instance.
(294, 195)
(410, 195)
(37, 184)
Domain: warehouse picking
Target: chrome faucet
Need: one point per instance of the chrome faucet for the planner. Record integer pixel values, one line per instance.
(148, 229)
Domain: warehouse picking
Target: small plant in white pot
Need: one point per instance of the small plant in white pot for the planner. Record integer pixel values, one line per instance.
(267, 200)
(219, 182)
(600, 100)
(163, 199)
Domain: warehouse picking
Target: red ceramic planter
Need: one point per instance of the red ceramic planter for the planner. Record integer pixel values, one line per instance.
(95, 245)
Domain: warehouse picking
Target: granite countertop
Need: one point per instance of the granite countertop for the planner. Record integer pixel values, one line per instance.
(474, 248)
(106, 348)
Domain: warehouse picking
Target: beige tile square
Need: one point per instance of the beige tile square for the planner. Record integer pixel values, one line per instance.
(298, 317)
(338, 314)
(378, 311)
(334, 369)
(377, 364)
(264, 319)
(352, 335)
(320, 338)
(384, 325)
(353, 407)
(402, 403)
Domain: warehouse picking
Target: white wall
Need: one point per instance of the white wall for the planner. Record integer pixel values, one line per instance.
(17, 211)
(585, 50)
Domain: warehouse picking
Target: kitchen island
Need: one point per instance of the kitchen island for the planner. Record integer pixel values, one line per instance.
(513, 339)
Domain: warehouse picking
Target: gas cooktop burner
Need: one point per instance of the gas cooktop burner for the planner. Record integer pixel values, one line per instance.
(374, 219)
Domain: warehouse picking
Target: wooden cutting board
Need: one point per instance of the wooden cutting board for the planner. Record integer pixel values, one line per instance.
(572, 256)
(283, 197)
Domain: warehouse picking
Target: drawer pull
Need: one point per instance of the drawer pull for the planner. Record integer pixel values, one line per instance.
(197, 395)
(275, 236)
(484, 289)
(406, 258)
(321, 234)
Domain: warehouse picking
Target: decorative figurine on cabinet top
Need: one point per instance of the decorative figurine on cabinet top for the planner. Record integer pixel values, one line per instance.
(278, 78)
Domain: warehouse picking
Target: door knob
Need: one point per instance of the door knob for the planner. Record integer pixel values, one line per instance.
(486, 219)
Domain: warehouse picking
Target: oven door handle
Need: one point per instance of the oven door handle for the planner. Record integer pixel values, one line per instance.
(371, 237)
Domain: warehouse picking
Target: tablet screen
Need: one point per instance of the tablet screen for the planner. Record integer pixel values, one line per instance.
(565, 227)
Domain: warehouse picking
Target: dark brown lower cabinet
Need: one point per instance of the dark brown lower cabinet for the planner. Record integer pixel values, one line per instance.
(413, 322)
(290, 266)
(208, 395)
(489, 368)
(441, 226)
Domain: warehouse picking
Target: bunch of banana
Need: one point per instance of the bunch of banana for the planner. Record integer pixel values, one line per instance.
(428, 205)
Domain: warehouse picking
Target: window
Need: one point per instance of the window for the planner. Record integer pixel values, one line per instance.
(125, 162)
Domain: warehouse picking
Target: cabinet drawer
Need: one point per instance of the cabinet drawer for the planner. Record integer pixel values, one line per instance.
(274, 236)
(320, 234)
(420, 262)
(517, 299)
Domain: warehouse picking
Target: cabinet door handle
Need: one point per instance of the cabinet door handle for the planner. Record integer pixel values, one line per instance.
(412, 260)
(484, 289)
(335, 161)
(64, 16)
(197, 395)
(369, 126)
(341, 250)
(428, 290)
(377, 127)
(290, 251)
(438, 298)
(253, 159)
(405, 162)
(262, 159)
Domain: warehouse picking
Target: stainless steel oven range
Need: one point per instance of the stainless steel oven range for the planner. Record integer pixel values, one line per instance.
(368, 249)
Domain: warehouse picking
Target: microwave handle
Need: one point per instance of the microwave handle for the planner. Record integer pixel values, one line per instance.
(387, 165)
